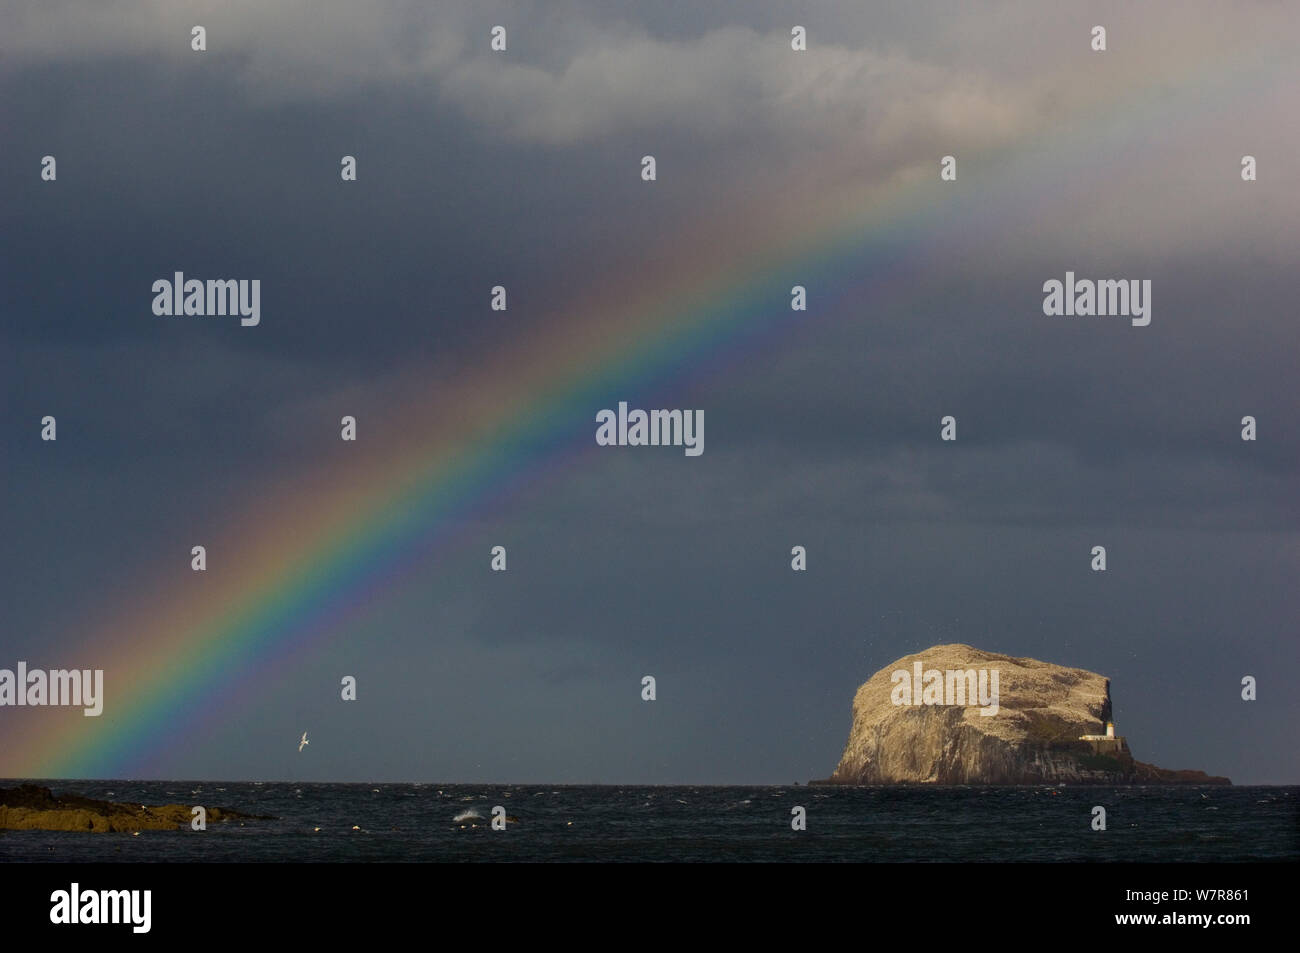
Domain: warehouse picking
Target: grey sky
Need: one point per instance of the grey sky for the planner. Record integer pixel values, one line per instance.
(522, 169)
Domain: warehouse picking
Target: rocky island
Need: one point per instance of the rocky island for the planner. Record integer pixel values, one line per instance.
(954, 714)
(29, 808)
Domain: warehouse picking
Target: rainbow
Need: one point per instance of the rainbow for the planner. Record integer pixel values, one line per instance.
(312, 557)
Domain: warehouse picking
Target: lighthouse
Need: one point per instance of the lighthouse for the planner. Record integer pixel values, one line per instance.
(1108, 736)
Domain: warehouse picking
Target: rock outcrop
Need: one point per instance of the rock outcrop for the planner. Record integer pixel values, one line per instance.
(1032, 735)
(28, 807)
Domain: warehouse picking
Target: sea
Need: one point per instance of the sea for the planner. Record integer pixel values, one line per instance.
(351, 823)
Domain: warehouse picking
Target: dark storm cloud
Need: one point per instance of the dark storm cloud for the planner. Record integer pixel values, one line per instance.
(476, 171)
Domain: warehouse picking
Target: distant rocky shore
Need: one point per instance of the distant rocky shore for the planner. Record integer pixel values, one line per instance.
(29, 807)
(1015, 721)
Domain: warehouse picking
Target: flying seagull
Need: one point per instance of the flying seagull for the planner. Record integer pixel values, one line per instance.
(302, 744)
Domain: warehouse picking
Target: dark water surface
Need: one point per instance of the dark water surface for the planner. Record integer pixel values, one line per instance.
(417, 822)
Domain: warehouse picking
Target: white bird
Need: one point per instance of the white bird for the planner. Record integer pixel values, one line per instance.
(304, 742)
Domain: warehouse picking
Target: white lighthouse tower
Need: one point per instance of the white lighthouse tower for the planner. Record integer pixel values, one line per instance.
(1108, 736)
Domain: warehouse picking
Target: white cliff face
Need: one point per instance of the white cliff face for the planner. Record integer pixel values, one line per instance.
(1033, 737)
